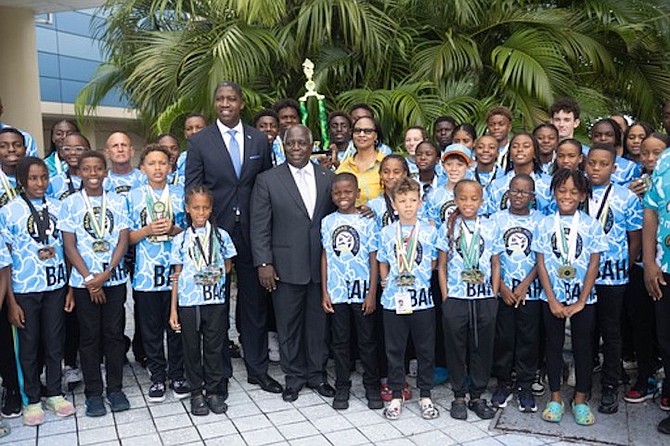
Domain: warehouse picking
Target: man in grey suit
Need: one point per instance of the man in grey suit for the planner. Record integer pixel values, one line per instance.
(287, 205)
(226, 157)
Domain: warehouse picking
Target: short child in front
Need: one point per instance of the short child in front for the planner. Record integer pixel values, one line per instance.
(349, 289)
(469, 273)
(201, 256)
(407, 256)
(568, 249)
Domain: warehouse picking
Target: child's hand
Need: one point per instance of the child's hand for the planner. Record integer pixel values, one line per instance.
(174, 277)
(369, 305)
(174, 322)
(653, 279)
(16, 316)
(98, 280)
(97, 296)
(508, 296)
(520, 294)
(638, 187)
(556, 308)
(573, 309)
(365, 211)
(69, 301)
(160, 227)
(327, 304)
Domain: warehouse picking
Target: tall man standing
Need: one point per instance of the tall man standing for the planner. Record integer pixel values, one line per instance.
(287, 206)
(226, 157)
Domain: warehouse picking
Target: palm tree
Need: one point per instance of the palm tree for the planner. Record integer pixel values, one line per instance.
(411, 60)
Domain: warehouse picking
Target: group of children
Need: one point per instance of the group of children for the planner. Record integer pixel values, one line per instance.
(479, 248)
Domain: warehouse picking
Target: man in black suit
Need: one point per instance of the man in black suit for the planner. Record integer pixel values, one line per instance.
(226, 157)
(287, 205)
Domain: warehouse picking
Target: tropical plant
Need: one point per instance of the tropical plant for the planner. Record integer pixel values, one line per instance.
(411, 60)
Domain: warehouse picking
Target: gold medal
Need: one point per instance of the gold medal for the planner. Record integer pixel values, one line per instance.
(567, 272)
(474, 276)
(405, 280)
(46, 253)
(101, 246)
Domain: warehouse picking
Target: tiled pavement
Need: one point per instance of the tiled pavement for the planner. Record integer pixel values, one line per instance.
(256, 418)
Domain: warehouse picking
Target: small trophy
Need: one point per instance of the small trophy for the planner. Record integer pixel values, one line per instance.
(159, 213)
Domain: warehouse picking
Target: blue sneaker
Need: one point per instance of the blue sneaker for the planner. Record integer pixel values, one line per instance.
(95, 407)
(502, 395)
(526, 401)
(118, 401)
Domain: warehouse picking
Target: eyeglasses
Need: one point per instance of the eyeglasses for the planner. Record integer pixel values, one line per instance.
(368, 131)
(77, 149)
(521, 192)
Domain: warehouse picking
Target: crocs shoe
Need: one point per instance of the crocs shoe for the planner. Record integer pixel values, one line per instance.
(553, 411)
(394, 409)
(385, 392)
(59, 405)
(583, 414)
(33, 415)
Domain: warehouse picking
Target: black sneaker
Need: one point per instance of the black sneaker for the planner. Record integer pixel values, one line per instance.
(374, 398)
(526, 401)
(11, 404)
(95, 407)
(118, 401)
(538, 387)
(459, 410)
(481, 408)
(502, 395)
(157, 392)
(609, 400)
(234, 350)
(180, 388)
(341, 400)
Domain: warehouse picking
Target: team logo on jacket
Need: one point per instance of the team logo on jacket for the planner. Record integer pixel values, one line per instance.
(109, 222)
(346, 239)
(31, 227)
(446, 210)
(557, 251)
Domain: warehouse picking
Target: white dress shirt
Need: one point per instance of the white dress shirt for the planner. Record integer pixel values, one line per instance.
(239, 136)
(305, 180)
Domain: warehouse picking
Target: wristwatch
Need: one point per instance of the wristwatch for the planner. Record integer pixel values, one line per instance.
(88, 278)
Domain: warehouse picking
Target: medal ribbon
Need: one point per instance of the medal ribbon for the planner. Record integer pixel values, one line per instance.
(58, 163)
(491, 178)
(389, 209)
(567, 248)
(469, 244)
(98, 224)
(7, 185)
(603, 206)
(406, 253)
(41, 221)
(198, 255)
(152, 199)
(70, 183)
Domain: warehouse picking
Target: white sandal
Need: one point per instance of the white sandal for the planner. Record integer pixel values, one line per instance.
(428, 411)
(394, 409)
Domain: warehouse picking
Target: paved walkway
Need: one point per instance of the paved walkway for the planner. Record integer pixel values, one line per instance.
(256, 418)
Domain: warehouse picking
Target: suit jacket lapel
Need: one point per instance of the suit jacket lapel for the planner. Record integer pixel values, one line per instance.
(250, 149)
(286, 178)
(218, 142)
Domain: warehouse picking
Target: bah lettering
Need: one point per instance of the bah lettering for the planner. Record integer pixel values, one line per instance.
(614, 270)
(119, 273)
(478, 289)
(424, 298)
(162, 275)
(213, 292)
(55, 275)
(358, 289)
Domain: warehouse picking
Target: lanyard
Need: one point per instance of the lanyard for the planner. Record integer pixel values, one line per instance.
(41, 221)
(98, 224)
(603, 206)
(567, 248)
(393, 216)
(406, 248)
(469, 244)
(198, 256)
(493, 177)
(58, 163)
(70, 182)
(158, 205)
(7, 185)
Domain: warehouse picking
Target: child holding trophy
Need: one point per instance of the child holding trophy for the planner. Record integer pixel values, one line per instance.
(568, 248)
(156, 213)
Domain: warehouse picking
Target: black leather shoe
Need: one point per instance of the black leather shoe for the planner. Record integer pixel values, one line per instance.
(323, 389)
(199, 406)
(289, 394)
(266, 382)
(217, 404)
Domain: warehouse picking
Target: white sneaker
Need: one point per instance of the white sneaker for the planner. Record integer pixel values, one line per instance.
(273, 346)
(72, 376)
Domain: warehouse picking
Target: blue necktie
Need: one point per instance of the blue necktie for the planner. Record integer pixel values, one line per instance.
(234, 151)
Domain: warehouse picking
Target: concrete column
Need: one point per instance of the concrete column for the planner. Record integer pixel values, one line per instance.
(19, 75)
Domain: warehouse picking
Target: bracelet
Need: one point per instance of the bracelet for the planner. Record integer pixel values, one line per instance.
(88, 278)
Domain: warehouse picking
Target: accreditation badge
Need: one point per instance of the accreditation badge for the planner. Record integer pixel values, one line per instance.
(403, 303)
